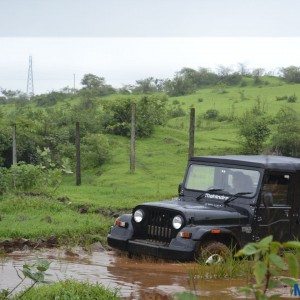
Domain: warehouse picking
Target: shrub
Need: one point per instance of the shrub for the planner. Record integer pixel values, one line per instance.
(200, 100)
(254, 129)
(150, 111)
(286, 139)
(71, 289)
(49, 99)
(95, 150)
(292, 99)
(281, 98)
(176, 111)
(28, 178)
(211, 114)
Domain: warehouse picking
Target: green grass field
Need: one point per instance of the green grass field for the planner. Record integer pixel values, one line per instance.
(161, 162)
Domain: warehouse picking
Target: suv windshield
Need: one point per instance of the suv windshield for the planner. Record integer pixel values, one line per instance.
(229, 180)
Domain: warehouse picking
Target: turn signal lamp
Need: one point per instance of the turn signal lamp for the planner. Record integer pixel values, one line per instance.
(120, 223)
(185, 234)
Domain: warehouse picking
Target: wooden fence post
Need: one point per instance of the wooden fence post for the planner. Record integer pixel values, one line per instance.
(14, 145)
(77, 144)
(192, 133)
(132, 138)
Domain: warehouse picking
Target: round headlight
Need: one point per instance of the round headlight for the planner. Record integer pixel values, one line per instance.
(177, 222)
(138, 215)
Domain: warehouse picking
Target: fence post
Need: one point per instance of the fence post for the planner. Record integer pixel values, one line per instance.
(14, 144)
(192, 133)
(132, 138)
(77, 144)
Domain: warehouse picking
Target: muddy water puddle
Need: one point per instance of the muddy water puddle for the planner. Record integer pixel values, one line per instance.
(134, 279)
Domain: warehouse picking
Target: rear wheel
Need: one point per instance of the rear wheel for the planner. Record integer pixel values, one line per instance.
(214, 253)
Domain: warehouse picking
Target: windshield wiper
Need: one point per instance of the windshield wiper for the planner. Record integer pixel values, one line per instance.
(208, 191)
(233, 197)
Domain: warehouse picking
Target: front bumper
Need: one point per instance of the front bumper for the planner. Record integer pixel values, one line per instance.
(178, 249)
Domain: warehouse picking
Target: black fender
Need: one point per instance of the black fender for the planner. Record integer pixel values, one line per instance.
(203, 234)
(122, 233)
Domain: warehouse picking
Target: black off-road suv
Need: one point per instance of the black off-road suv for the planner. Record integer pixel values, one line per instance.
(224, 201)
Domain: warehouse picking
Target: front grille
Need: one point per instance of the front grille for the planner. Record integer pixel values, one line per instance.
(159, 232)
(158, 225)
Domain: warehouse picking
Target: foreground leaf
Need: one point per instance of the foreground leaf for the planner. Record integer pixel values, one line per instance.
(277, 261)
(259, 271)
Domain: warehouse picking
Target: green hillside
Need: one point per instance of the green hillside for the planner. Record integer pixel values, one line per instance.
(161, 161)
(162, 158)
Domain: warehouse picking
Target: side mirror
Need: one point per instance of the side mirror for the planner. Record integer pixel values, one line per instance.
(267, 199)
(180, 189)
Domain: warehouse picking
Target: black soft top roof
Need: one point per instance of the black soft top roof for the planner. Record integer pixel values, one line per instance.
(260, 161)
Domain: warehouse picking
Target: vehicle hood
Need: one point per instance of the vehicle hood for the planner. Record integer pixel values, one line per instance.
(208, 213)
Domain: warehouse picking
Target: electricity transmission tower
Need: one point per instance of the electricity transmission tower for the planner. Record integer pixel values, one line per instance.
(30, 88)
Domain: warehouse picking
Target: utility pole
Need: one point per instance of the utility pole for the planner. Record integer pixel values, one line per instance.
(30, 87)
(192, 133)
(74, 83)
(77, 144)
(14, 145)
(132, 138)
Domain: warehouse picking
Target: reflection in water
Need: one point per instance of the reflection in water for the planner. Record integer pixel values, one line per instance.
(135, 279)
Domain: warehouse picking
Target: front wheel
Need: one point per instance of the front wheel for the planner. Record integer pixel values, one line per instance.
(213, 253)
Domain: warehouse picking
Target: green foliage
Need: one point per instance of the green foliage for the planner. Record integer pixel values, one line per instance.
(40, 217)
(95, 86)
(49, 99)
(71, 290)
(211, 114)
(179, 86)
(281, 98)
(150, 111)
(26, 177)
(35, 272)
(292, 99)
(254, 129)
(176, 111)
(268, 263)
(95, 150)
(286, 138)
(148, 85)
(291, 74)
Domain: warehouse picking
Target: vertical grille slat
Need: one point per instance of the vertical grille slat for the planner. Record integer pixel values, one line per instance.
(159, 225)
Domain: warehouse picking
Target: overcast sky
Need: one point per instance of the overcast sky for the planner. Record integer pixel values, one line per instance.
(126, 40)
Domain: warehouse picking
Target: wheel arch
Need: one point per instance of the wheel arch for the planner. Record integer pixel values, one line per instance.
(225, 237)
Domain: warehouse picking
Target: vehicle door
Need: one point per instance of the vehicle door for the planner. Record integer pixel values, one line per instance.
(295, 220)
(275, 206)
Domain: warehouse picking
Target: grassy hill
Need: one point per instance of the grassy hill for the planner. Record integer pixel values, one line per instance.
(162, 158)
(161, 162)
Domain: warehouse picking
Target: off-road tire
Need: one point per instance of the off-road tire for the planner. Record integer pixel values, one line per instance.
(211, 248)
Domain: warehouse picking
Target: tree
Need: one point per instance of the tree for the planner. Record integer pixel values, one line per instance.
(242, 69)
(257, 74)
(286, 139)
(96, 85)
(179, 86)
(145, 86)
(291, 74)
(254, 129)
(91, 81)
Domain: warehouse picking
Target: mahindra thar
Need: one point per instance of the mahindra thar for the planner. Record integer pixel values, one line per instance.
(223, 203)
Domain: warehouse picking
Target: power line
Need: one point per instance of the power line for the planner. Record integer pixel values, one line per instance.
(30, 87)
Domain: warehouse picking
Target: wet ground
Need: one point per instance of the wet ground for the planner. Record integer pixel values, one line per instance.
(135, 279)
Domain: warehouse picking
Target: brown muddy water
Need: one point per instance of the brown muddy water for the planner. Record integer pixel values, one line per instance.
(133, 278)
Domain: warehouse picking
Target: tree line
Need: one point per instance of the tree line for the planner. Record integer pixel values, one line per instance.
(184, 82)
